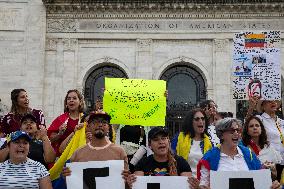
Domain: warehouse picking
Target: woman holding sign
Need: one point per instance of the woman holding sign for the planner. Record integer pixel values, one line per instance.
(229, 156)
(272, 124)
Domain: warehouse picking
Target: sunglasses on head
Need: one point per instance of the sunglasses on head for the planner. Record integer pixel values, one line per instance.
(198, 118)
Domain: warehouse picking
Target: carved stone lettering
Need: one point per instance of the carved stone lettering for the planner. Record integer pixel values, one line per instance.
(90, 25)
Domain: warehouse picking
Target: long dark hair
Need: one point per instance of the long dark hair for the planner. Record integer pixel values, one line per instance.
(14, 98)
(262, 137)
(187, 126)
(81, 99)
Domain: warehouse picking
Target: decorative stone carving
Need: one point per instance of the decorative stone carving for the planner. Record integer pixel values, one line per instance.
(51, 44)
(220, 45)
(11, 18)
(61, 25)
(107, 59)
(175, 9)
(144, 44)
(70, 44)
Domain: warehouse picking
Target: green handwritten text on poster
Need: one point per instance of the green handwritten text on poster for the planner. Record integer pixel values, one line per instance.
(135, 101)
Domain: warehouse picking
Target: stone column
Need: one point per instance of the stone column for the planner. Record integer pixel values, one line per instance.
(70, 73)
(222, 76)
(144, 59)
(50, 79)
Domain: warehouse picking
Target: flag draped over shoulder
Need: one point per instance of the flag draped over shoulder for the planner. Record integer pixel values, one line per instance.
(78, 140)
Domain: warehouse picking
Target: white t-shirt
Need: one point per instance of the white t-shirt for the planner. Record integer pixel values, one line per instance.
(21, 176)
(194, 156)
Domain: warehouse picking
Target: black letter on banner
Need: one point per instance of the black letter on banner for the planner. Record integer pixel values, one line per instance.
(245, 183)
(90, 174)
(153, 185)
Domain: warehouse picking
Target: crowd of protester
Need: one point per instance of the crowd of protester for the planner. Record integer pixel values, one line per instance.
(208, 140)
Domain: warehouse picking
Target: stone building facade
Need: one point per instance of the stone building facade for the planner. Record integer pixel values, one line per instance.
(50, 46)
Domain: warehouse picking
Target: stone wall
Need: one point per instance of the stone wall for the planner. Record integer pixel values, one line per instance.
(51, 51)
(22, 37)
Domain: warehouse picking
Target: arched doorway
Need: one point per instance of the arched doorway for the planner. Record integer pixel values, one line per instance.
(94, 84)
(186, 89)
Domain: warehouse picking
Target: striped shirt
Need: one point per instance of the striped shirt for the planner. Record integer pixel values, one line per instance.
(25, 175)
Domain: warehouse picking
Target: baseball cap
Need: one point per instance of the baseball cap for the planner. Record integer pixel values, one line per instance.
(99, 114)
(155, 131)
(16, 135)
(28, 116)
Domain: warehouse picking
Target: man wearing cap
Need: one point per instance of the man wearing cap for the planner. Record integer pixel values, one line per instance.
(100, 147)
(19, 171)
(162, 162)
(272, 123)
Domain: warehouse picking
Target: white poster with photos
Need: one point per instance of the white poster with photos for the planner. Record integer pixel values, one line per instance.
(256, 66)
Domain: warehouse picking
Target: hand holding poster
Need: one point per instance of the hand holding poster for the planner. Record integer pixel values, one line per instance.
(257, 179)
(135, 101)
(161, 182)
(96, 175)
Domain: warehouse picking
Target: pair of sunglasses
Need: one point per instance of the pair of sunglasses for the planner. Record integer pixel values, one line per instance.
(199, 118)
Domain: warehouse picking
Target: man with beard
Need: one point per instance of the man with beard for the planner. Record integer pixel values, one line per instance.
(100, 147)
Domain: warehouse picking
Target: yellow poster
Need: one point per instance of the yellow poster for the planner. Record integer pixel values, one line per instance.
(135, 101)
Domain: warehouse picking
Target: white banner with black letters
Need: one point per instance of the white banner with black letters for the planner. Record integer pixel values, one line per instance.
(96, 175)
(161, 182)
(258, 179)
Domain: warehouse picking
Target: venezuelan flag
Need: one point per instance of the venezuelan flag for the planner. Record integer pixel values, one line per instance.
(78, 140)
(254, 40)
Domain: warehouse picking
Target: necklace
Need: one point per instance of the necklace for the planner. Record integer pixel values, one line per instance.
(99, 148)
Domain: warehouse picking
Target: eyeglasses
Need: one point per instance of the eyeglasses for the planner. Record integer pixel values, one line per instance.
(232, 131)
(198, 118)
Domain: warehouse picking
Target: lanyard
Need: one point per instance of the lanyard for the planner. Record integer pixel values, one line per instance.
(277, 122)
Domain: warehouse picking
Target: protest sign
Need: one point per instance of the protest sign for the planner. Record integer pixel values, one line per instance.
(96, 175)
(257, 179)
(161, 182)
(135, 101)
(256, 65)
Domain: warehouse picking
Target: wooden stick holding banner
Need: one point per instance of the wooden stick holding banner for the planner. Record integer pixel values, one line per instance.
(257, 179)
(96, 175)
(135, 101)
(161, 182)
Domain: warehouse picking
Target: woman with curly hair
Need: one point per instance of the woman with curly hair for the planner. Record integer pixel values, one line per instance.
(193, 141)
